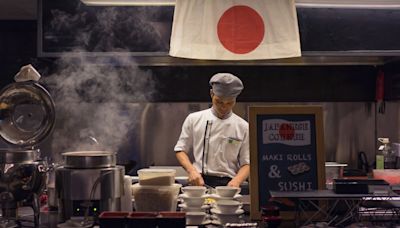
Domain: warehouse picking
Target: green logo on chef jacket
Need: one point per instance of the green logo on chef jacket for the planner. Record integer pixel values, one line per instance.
(233, 141)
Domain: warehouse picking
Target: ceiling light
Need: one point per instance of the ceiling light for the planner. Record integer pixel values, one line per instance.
(129, 2)
(301, 3)
(349, 3)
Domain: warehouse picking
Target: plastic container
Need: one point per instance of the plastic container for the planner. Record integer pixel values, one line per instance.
(155, 198)
(385, 158)
(156, 177)
(333, 170)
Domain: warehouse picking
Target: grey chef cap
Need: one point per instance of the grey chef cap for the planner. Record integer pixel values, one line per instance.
(226, 85)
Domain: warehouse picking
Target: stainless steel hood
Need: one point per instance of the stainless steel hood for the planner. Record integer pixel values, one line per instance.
(318, 60)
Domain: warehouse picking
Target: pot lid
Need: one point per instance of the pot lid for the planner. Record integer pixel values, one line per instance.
(26, 113)
(89, 159)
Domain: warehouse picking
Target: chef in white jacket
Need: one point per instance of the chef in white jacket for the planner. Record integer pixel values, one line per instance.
(217, 137)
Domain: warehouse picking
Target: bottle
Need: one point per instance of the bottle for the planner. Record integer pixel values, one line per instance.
(385, 158)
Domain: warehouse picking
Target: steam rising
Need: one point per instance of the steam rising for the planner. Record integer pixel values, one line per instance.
(97, 103)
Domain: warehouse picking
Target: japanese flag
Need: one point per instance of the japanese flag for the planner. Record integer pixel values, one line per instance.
(235, 29)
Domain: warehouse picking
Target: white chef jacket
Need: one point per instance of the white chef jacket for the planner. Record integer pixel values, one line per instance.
(228, 143)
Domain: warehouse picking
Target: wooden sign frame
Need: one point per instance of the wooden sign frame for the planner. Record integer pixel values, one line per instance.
(258, 115)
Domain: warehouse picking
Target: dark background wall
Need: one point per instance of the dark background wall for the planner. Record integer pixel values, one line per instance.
(321, 30)
(264, 83)
(18, 47)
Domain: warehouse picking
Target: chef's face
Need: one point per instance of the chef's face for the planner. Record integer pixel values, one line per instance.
(222, 105)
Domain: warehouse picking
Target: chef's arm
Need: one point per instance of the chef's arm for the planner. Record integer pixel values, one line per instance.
(194, 176)
(241, 176)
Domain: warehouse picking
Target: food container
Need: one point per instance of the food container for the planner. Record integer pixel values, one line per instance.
(392, 176)
(171, 219)
(115, 219)
(333, 170)
(155, 198)
(156, 177)
(142, 219)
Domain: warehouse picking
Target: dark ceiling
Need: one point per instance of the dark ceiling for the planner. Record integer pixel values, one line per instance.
(18, 10)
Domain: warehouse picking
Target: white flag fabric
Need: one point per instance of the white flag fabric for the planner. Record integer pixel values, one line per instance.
(235, 29)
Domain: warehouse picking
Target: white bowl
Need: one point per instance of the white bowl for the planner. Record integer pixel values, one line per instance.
(191, 201)
(185, 208)
(195, 191)
(215, 211)
(222, 219)
(195, 218)
(216, 197)
(227, 191)
(228, 206)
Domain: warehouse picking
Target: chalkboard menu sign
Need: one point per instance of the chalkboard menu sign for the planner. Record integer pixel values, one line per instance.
(286, 151)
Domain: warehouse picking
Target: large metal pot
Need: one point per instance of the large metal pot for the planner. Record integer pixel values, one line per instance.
(99, 179)
(27, 116)
(20, 177)
(89, 159)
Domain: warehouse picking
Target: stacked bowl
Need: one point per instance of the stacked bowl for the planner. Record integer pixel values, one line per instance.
(193, 198)
(227, 207)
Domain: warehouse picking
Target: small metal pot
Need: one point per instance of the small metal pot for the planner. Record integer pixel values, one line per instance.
(89, 159)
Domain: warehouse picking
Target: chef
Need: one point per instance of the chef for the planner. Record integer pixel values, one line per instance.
(217, 137)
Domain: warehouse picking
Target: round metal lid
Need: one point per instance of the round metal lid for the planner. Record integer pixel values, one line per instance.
(89, 159)
(26, 113)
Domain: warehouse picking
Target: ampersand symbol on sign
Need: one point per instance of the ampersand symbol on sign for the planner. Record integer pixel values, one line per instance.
(274, 172)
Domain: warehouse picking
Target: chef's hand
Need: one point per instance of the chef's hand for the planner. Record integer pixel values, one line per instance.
(195, 178)
(242, 175)
(233, 183)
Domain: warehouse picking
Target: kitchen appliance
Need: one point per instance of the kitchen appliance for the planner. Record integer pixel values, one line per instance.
(156, 190)
(89, 183)
(26, 118)
(359, 186)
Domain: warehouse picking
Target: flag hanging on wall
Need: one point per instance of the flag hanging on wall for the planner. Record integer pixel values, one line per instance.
(235, 29)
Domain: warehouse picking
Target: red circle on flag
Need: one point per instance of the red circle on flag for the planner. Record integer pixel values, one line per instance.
(240, 29)
(286, 131)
